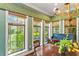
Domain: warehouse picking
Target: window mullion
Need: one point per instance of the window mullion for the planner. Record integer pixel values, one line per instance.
(10, 37)
(17, 38)
(24, 36)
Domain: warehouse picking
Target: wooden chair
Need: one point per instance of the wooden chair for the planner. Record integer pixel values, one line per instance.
(36, 44)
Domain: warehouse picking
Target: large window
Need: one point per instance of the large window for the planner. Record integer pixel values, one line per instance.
(70, 27)
(55, 27)
(37, 33)
(36, 29)
(46, 31)
(16, 34)
(46, 34)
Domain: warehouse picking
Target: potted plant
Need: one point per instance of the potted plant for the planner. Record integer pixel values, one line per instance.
(64, 45)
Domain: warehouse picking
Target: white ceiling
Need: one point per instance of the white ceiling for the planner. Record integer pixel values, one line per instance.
(46, 8)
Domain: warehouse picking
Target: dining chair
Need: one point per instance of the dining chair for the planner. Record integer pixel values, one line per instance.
(36, 44)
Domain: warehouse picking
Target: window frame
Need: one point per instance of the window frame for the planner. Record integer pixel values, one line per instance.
(16, 24)
(17, 35)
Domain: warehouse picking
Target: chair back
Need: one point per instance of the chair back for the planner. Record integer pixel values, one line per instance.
(36, 44)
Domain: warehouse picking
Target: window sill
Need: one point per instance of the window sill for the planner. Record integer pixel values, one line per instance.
(15, 54)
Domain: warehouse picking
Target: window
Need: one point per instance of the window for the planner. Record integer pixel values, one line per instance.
(16, 34)
(46, 31)
(46, 34)
(37, 34)
(36, 29)
(55, 27)
(70, 27)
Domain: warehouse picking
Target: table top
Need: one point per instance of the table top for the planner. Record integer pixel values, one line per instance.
(49, 50)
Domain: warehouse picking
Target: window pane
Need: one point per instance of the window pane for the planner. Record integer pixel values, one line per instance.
(70, 27)
(46, 32)
(12, 19)
(16, 39)
(55, 27)
(21, 38)
(9, 37)
(12, 40)
(56, 30)
(37, 30)
(20, 20)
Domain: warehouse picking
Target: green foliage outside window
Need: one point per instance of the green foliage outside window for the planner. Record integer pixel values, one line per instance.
(37, 31)
(16, 42)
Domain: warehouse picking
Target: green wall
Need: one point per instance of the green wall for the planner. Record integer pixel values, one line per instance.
(2, 33)
(21, 8)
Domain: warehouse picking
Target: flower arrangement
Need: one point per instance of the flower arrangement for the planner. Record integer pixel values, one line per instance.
(65, 44)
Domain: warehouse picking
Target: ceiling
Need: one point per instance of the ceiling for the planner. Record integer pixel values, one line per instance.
(47, 8)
